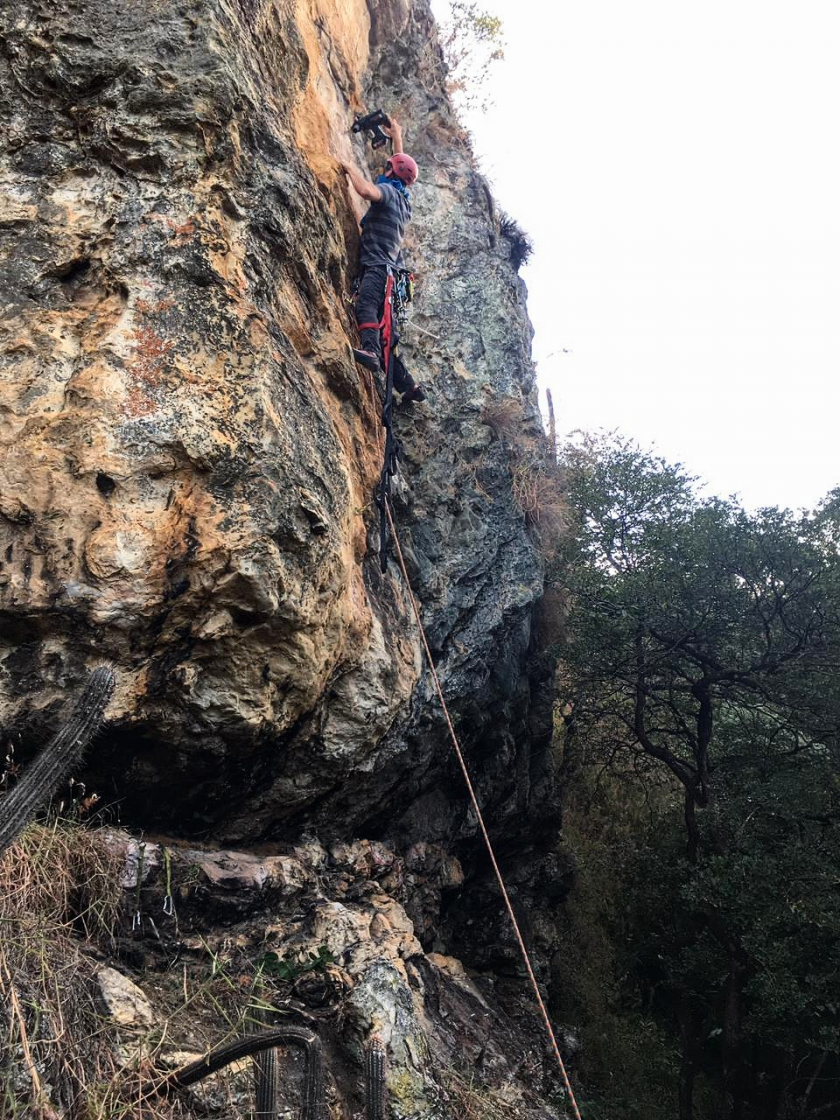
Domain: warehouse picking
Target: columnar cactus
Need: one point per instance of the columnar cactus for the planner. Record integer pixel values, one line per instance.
(261, 1046)
(375, 1102)
(57, 760)
(266, 1075)
(266, 1085)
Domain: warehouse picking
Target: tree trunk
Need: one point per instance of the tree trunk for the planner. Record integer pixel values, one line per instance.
(686, 1091)
(777, 1094)
(691, 827)
(812, 1082)
(731, 1038)
(688, 1062)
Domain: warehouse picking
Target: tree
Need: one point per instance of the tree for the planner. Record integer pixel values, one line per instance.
(704, 644)
(472, 41)
(685, 611)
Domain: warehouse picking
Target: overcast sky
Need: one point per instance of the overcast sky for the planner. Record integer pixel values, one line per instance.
(676, 164)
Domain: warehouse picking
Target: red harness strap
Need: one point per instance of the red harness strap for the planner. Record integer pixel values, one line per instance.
(386, 326)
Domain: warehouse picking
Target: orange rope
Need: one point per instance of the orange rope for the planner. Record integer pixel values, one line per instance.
(462, 763)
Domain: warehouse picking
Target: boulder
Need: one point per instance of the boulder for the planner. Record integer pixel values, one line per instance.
(122, 999)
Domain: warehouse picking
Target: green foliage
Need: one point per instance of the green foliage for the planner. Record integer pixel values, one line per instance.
(772, 885)
(293, 965)
(520, 246)
(628, 1062)
(701, 678)
(687, 612)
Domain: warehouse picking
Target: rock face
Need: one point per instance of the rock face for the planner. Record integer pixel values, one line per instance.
(188, 454)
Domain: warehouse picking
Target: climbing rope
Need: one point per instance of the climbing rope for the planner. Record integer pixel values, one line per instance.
(479, 817)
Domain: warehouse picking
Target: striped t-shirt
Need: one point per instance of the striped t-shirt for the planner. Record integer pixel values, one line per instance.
(383, 227)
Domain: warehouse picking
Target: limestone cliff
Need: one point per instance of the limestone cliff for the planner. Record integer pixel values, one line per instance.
(188, 453)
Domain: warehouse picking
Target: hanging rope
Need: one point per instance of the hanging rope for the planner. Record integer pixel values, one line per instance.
(479, 817)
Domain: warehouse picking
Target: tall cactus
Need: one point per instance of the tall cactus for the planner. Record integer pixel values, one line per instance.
(55, 762)
(266, 1076)
(266, 1085)
(375, 1101)
(313, 1105)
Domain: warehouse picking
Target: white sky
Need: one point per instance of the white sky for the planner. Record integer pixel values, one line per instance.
(676, 164)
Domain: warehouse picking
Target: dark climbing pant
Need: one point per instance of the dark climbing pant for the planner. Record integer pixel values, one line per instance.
(370, 304)
(403, 381)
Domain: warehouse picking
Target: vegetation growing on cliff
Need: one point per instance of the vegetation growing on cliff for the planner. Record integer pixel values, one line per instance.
(472, 40)
(701, 725)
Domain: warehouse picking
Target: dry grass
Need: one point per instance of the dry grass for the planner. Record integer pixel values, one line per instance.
(537, 490)
(471, 1099)
(536, 480)
(505, 416)
(60, 904)
(64, 877)
(58, 887)
(61, 907)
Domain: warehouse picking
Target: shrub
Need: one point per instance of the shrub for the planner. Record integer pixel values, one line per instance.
(505, 417)
(536, 480)
(520, 246)
(537, 490)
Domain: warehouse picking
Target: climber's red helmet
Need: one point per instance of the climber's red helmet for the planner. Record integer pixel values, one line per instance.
(403, 167)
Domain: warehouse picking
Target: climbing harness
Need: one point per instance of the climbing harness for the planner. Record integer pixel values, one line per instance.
(480, 818)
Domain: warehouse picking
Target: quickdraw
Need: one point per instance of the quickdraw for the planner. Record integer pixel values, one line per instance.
(168, 901)
(403, 294)
(137, 919)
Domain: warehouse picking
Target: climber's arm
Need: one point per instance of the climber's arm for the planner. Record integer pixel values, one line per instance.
(361, 185)
(394, 133)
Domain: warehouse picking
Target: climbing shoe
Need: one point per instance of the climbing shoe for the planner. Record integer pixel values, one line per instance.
(416, 394)
(367, 359)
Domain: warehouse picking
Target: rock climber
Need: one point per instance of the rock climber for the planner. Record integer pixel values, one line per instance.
(383, 229)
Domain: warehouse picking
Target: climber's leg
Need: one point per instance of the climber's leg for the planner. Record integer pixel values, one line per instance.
(404, 383)
(369, 305)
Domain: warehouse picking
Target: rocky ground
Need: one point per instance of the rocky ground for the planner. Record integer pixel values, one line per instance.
(343, 941)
